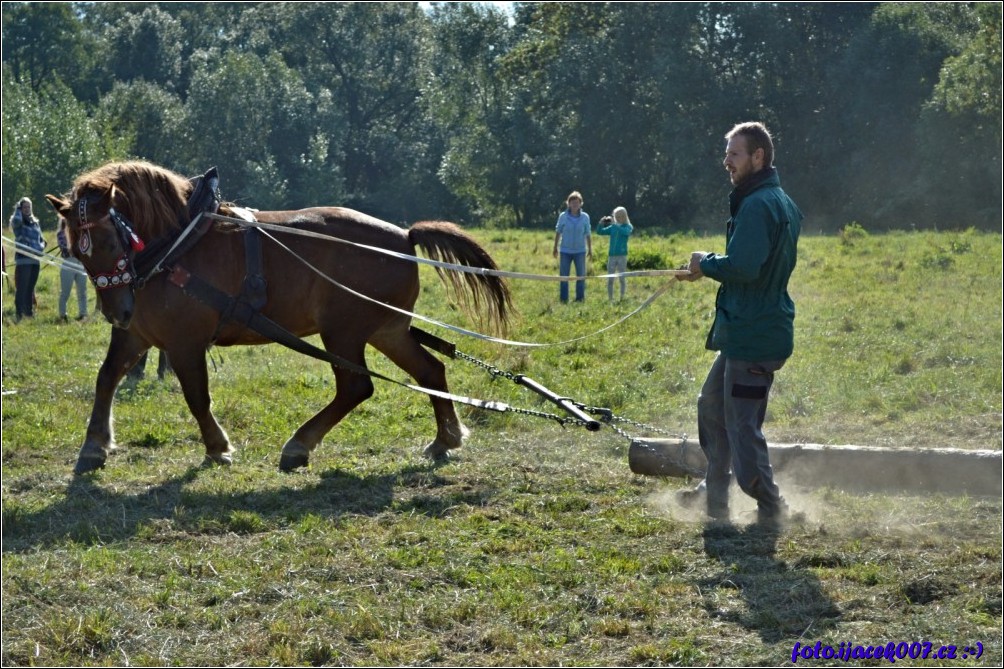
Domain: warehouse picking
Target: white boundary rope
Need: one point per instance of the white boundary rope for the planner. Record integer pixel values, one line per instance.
(443, 265)
(42, 257)
(265, 228)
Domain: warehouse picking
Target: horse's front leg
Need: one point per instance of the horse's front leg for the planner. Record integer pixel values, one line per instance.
(190, 367)
(124, 350)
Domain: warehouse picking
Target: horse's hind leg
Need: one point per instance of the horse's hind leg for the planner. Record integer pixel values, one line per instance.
(400, 346)
(190, 368)
(124, 350)
(351, 389)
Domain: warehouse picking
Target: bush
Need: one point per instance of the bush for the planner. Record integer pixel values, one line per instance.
(646, 260)
(851, 232)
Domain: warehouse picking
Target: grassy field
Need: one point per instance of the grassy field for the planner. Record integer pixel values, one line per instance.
(535, 545)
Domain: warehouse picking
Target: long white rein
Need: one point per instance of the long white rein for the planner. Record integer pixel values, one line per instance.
(265, 228)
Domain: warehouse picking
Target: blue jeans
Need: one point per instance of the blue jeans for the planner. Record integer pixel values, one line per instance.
(564, 265)
(25, 278)
(730, 414)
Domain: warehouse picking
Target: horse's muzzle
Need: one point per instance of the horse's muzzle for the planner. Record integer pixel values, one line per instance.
(118, 312)
(122, 324)
(121, 321)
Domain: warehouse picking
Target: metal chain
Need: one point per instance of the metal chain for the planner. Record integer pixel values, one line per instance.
(650, 428)
(497, 372)
(491, 369)
(606, 415)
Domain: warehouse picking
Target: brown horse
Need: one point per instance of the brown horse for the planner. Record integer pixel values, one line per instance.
(114, 206)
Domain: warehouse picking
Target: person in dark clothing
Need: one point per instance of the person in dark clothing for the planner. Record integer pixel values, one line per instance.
(753, 330)
(30, 246)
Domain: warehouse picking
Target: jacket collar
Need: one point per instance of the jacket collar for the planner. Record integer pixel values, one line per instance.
(766, 176)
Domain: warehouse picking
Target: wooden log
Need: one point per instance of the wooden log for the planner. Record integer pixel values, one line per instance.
(859, 468)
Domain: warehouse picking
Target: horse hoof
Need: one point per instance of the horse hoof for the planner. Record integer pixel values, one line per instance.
(294, 455)
(88, 463)
(217, 460)
(437, 452)
(292, 461)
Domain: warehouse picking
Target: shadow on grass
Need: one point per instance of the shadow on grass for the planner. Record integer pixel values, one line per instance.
(778, 600)
(90, 513)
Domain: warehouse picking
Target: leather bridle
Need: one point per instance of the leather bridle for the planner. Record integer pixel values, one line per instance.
(123, 273)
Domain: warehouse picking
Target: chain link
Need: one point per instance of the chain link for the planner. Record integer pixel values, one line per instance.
(607, 416)
(496, 373)
(491, 369)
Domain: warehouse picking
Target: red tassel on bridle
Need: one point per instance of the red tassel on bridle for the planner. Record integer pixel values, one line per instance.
(135, 242)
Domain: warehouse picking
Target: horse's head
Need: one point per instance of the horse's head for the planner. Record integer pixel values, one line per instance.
(109, 213)
(102, 239)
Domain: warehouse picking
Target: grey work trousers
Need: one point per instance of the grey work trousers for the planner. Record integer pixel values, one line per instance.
(730, 414)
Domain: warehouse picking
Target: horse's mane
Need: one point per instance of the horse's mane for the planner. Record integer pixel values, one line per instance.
(152, 197)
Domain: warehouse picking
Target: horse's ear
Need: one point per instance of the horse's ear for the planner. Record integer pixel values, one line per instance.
(117, 197)
(60, 205)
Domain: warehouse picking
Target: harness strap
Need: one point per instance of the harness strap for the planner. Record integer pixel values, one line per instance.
(253, 290)
(243, 312)
(152, 261)
(253, 295)
(429, 340)
(203, 202)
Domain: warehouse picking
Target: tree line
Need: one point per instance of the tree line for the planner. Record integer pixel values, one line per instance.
(884, 114)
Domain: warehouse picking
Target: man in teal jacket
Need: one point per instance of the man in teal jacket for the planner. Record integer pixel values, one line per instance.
(753, 330)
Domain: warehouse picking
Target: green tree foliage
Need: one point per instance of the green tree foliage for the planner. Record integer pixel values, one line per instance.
(151, 117)
(474, 100)
(883, 113)
(890, 174)
(251, 117)
(365, 60)
(48, 139)
(146, 46)
(964, 118)
(970, 83)
(43, 41)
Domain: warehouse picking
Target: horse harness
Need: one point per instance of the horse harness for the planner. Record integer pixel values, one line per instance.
(245, 308)
(140, 262)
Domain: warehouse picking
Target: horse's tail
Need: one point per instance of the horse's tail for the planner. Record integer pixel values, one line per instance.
(485, 298)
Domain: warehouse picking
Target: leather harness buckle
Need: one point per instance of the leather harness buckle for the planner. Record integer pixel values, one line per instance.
(179, 277)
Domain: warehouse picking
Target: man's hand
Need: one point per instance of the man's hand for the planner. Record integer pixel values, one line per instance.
(694, 267)
(695, 263)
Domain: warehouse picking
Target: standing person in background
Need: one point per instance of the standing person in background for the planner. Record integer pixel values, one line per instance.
(753, 330)
(572, 245)
(30, 245)
(71, 273)
(619, 228)
(138, 371)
